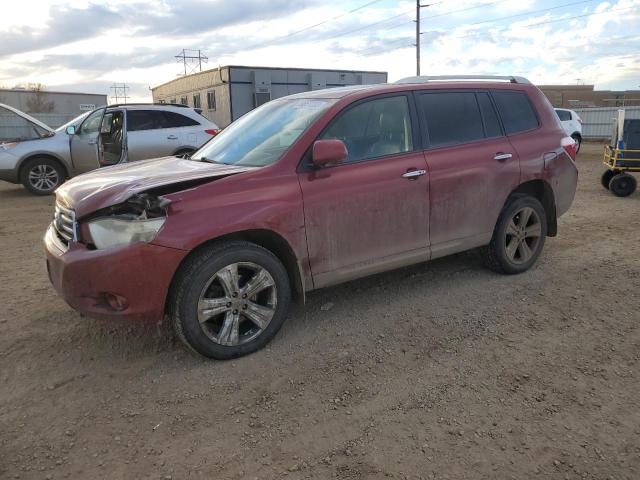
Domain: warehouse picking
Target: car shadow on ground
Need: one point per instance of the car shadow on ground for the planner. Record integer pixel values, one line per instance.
(125, 341)
(18, 191)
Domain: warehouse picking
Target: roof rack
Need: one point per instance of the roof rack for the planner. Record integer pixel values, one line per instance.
(440, 78)
(148, 104)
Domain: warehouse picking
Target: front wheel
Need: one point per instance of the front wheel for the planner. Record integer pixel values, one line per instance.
(41, 176)
(518, 236)
(229, 300)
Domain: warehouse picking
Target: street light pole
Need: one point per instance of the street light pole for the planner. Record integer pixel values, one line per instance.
(418, 7)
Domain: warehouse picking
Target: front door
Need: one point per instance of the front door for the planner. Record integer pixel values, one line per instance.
(84, 144)
(371, 212)
(472, 168)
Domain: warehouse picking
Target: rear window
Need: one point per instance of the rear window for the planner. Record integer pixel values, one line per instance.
(489, 116)
(452, 118)
(516, 111)
(564, 115)
(176, 120)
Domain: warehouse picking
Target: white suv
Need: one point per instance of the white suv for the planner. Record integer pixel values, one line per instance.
(572, 124)
(41, 158)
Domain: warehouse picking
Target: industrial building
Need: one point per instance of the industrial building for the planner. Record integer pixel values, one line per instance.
(226, 93)
(52, 108)
(585, 96)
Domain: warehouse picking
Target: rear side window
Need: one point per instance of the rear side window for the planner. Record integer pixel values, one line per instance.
(489, 116)
(564, 115)
(175, 120)
(145, 120)
(516, 111)
(452, 118)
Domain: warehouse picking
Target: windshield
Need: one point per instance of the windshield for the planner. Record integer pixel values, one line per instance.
(76, 122)
(261, 136)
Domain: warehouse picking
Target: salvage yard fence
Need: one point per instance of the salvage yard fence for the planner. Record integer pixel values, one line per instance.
(597, 122)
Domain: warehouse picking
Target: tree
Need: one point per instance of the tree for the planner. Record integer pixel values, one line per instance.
(38, 102)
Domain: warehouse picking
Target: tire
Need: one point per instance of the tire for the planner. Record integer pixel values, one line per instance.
(184, 153)
(207, 306)
(502, 255)
(42, 175)
(578, 141)
(606, 177)
(623, 184)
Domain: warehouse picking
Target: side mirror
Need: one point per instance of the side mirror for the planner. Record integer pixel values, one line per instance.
(71, 130)
(329, 152)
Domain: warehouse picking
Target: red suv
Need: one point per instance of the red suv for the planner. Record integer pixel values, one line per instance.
(311, 190)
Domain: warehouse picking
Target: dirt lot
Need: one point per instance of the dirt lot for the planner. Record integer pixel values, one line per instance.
(442, 370)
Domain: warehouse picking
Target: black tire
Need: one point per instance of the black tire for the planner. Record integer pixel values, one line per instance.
(42, 175)
(623, 184)
(192, 281)
(606, 177)
(578, 141)
(496, 255)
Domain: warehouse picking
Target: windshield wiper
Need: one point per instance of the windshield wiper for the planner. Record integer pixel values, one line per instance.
(205, 159)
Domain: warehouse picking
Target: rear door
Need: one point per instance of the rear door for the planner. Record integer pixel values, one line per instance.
(84, 144)
(472, 167)
(370, 213)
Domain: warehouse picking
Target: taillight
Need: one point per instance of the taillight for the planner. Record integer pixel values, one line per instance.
(570, 146)
(212, 131)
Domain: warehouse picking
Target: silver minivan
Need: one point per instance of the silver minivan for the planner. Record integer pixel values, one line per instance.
(41, 158)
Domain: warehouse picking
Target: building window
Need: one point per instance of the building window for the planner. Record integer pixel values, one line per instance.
(161, 100)
(196, 101)
(211, 100)
(184, 101)
(173, 101)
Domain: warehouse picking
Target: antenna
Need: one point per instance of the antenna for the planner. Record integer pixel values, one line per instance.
(187, 56)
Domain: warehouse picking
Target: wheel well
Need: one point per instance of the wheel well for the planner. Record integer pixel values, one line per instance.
(277, 245)
(576, 134)
(42, 155)
(183, 150)
(543, 192)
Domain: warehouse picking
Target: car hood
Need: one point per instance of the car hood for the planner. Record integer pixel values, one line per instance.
(112, 185)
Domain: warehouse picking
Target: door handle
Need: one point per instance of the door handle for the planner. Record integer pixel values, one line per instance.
(501, 157)
(172, 137)
(413, 174)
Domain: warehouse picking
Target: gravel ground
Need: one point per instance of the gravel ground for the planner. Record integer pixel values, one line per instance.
(441, 370)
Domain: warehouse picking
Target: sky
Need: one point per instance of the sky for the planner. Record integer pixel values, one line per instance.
(87, 46)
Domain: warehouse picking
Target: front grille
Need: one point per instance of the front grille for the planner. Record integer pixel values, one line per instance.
(64, 223)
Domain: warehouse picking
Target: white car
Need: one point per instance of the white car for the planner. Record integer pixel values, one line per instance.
(572, 124)
(41, 159)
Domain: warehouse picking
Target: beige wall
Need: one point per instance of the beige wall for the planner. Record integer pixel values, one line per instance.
(211, 80)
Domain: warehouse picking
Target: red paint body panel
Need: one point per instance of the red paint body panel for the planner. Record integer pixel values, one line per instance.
(140, 273)
(340, 222)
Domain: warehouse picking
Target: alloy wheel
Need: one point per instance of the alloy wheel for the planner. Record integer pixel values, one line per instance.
(237, 303)
(43, 177)
(523, 235)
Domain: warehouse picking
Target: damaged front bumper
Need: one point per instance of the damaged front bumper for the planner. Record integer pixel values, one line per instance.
(129, 282)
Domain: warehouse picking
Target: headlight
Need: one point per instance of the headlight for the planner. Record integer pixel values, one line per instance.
(115, 232)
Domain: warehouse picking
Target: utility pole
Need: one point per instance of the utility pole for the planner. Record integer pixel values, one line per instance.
(189, 57)
(119, 91)
(418, 7)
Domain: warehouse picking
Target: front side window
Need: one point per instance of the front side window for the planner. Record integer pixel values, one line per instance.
(92, 123)
(145, 120)
(263, 135)
(452, 118)
(516, 111)
(373, 129)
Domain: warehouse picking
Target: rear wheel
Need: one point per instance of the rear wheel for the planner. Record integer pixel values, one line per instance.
(230, 300)
(622, 184)
(578, 141)
(518, 237)
(607, 175)
(41, 175)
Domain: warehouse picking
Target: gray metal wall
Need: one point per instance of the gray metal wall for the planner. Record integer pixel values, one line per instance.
(66, 104)
(597, 122)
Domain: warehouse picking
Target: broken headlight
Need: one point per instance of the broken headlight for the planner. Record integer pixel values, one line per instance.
(137, 220)
(115, 232)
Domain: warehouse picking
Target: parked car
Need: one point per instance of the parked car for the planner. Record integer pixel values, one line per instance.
(308, 191)
(572, 124)
(41, 158)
